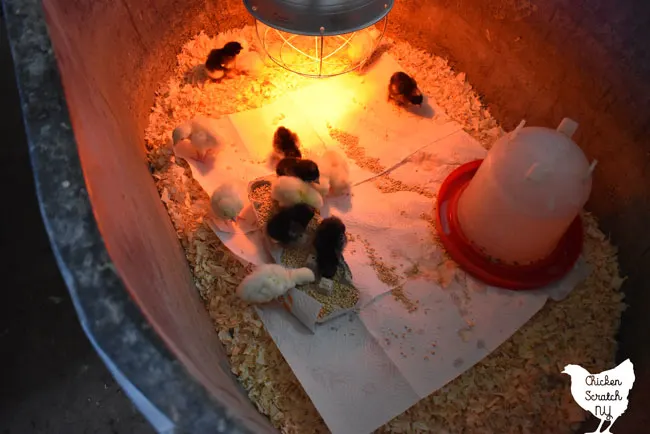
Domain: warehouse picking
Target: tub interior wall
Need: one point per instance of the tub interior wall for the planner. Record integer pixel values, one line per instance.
(538, 60)
(112, 56)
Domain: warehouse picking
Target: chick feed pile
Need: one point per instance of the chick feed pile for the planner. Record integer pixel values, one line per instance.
(517, 388)
(343, 295)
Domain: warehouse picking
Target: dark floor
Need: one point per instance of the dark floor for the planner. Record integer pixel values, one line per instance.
(51, 380)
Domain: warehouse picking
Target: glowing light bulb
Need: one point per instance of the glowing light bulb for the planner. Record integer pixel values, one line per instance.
(320, 56)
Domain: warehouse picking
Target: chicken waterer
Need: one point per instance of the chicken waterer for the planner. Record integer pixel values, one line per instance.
(519, 212)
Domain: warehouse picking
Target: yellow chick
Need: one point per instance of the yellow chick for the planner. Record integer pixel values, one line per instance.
(201, 133)
(361, 46)
(226, 203)
(336, 173)
(288, 191)
(269, 281)
(250, 63)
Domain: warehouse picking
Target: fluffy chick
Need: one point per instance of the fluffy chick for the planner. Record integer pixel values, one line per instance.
(270, 281)
(307, 170)
(226, 203)
(335, 172)
(221, 60)
(404, 90)
(329, 243)
(198, 138)
(182, 132)
(323, 186)
(285, 143)
(289, 224)
(203, 136)
(250, 63)
(361, 46)
(287, 191)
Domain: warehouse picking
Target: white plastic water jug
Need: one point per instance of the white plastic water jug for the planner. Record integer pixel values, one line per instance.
(526, 193)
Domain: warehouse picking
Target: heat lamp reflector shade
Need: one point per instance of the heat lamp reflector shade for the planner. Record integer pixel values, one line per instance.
(319, 17)
(532, 185)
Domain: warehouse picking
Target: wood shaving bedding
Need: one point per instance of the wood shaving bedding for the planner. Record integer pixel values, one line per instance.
(516, 389)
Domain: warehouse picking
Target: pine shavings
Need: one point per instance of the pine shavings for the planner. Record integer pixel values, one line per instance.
(517, 388)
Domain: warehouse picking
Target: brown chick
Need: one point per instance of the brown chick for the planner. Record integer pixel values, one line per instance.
(404, 90)
(221, 60)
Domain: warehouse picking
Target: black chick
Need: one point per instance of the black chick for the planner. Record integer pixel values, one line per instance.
(220, 60)
(288, 225)
(285, 143)
(404, 90)
(329, 243)
(307, 170)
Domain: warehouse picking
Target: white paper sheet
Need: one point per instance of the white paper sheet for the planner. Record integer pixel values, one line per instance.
(345, 372)
(358, 380)
(230, 163)
(358, 105)
(391, 224)
(257, 127)
(362, 370)
(434, 344)
(430, 165)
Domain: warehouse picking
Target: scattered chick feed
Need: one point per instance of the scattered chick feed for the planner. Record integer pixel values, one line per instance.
(343, 297)
(350, 144)
(388, 275)
(383, 181)
(386, 184)
(260, 198)
(517, 388)
(385, 273)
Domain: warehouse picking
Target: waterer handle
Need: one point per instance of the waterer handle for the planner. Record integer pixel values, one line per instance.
(568, 127)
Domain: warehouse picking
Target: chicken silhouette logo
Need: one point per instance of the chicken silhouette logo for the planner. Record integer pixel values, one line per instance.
(604, 395)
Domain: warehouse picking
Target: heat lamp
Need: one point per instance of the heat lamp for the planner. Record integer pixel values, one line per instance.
(320, 38)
